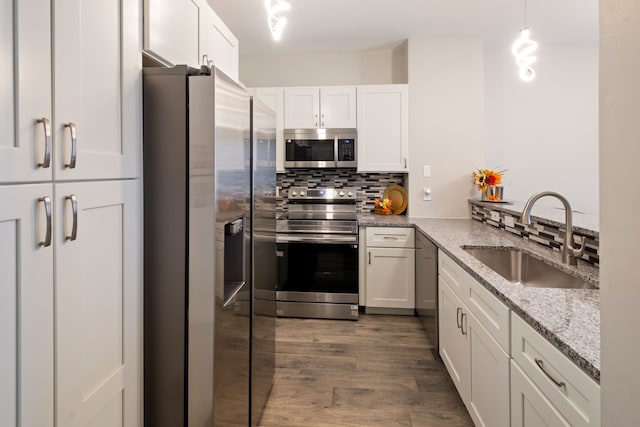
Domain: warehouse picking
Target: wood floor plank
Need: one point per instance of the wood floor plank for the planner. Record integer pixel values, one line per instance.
(380, 371)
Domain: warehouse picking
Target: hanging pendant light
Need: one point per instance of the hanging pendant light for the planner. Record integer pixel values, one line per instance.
(274, 19)
(522, 49)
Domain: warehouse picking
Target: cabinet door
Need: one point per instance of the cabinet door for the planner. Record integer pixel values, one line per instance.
(273, 97)
(529, 407)
(25, 76)
(383, 128)
(26, 308)
(301, 108)
(220, 45)
(97, 101)
(98, 304)
(454, 344)
(338, 107)
(171, 30)
(489, 381)
(391, 278)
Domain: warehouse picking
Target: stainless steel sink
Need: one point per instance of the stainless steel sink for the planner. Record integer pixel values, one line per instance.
(519, 267)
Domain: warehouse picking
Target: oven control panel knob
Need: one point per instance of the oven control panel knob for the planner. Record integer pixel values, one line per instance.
(294, 193)
(350, 194)
(341, 194)
(302, 194)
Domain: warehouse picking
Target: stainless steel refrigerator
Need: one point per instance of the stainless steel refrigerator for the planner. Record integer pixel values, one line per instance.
(209, 238)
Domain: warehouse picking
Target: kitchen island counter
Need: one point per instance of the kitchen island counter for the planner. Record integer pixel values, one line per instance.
(568, 318)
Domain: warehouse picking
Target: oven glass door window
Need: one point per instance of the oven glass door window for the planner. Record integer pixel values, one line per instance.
(310, 150)
(309, 267)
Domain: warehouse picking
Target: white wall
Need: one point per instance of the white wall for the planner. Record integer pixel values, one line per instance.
(545, 132)
(620, 210)
(318, 69)
(446, 127)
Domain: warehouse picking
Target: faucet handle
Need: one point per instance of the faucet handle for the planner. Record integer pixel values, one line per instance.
(575, 251)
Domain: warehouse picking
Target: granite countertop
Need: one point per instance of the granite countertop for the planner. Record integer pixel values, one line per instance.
(568, 318)
(583, 223)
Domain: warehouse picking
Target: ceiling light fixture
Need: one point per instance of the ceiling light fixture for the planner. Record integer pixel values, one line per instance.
(522, 49)
(275, 20)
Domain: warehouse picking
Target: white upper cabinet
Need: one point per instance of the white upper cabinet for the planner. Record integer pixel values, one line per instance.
(325, 107)
(93, 130)
(25, 75)
(218, 44)
(273, 97)
(97, 89)
(189, 32)
(171, 30)
(383, 128)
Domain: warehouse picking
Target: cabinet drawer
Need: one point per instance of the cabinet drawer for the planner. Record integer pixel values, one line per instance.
(577, 397)
(390, 237)
(490, 311)
(457, 279)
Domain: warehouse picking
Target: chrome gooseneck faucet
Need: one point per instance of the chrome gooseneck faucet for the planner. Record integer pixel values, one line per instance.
(569, 252)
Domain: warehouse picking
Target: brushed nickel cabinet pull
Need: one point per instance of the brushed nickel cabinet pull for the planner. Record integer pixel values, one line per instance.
(458, 311)
(462, 322)
(369, 257)
(540, 364)
(47, 211)
(74, 211)
(46, 158)
(74, 145)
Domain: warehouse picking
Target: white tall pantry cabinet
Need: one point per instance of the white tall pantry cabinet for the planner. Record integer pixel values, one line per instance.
(70, 213)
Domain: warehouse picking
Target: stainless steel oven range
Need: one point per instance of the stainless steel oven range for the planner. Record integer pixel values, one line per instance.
(317, 248)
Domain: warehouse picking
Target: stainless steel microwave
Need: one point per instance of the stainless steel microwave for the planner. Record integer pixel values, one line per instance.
(320, 148)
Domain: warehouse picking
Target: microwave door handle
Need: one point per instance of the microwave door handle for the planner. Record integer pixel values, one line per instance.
(335, 150)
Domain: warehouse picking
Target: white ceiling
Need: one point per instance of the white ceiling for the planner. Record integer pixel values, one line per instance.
(348, 25)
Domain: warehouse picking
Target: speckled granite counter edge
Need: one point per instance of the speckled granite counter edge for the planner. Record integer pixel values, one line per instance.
(402, 221)
(585, 224)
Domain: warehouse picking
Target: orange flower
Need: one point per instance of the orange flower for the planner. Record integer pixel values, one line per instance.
(483, 178)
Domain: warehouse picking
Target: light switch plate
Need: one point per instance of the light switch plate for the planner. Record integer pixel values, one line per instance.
(509, 221)
(495, 215)
(427, 171)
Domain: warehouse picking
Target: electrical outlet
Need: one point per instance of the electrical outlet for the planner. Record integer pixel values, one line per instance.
(427, 194)
(495, 215)
(509, 221)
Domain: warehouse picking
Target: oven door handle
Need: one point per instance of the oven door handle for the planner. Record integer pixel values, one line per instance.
(331, 239)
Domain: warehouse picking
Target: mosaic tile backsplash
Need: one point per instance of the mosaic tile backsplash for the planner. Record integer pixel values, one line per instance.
(544, 234)
(369, 186)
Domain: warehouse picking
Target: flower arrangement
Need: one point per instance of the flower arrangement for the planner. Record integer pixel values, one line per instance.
(485, 178)
(383, 206)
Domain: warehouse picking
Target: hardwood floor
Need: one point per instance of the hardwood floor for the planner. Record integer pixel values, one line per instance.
(378, 371)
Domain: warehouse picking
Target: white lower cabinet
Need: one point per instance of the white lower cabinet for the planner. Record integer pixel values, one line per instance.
(529, 406)
(478, 366)
(390, 268)
(26, 307)
(489, 377)
(454, 345)
(506, 373)
(570, 391)
(70, 304)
